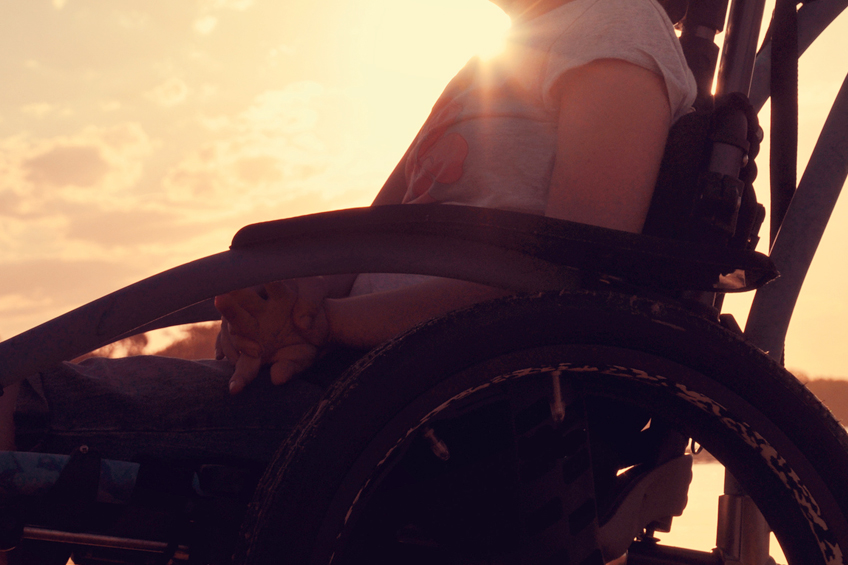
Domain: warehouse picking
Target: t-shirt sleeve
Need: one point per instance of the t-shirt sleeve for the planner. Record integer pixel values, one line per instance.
(637, 31)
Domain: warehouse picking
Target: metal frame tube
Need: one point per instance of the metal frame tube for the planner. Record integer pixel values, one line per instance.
(736, 533)
(802, 230)
(740, 47)
(813, 19)
(97, 540)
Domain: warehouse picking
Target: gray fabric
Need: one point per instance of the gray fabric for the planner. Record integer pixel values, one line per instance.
(158, 407)
(491, 138)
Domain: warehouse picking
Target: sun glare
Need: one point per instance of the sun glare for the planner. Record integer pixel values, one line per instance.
(404, 54)
(434, 38)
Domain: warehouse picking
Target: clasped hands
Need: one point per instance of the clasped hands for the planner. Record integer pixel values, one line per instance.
(281, 324)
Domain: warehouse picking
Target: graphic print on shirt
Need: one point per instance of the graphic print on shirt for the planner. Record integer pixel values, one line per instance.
(438, 156)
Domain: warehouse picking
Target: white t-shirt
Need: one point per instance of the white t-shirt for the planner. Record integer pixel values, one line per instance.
(491, 138)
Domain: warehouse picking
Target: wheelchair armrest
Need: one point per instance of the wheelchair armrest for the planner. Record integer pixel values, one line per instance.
(520, 252)
(555, 244)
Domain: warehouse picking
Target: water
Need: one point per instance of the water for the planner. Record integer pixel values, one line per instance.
(696, 529)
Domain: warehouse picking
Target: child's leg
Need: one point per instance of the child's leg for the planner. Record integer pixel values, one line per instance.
(157, 407)
(7, 412)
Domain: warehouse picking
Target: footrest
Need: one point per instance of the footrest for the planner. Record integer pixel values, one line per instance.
(650, 496)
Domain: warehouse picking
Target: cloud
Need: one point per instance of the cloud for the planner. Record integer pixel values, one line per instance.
(206, 22)
(237, 5)
(263, 152)
(257, 170)
(130, 228)
(133, 20)
(17, 303)
(170, 93)
(68, 198)
(29, 294)
(215, 123)
(281, 54)
(86, 167)
(288, 111)
(205, 25)
(67, 165)
(281, 49)
(38, 110)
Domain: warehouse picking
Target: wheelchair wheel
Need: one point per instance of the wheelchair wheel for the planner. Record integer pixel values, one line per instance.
(367, 479)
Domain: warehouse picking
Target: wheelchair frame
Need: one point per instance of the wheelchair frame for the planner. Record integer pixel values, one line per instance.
(526, 254)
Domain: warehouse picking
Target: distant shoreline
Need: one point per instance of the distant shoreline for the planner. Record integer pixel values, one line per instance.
(832, 392)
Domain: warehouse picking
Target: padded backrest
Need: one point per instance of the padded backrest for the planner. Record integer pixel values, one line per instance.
(690, 201)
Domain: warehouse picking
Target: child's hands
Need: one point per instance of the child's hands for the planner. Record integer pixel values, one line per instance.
(281, 324)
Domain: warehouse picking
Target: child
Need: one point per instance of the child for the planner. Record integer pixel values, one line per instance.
(570, 121)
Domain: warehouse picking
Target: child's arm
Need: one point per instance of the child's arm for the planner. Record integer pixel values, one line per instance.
(613, 123)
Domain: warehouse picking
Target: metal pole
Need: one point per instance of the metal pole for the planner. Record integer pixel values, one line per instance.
(813, 19)
(743, 534)
(97, 540)
(741, 537)
(802, 231)
(740, 47)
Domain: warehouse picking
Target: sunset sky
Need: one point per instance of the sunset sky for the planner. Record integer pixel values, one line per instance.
(138, 135)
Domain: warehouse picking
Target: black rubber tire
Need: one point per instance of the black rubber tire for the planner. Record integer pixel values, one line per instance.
(777, 439)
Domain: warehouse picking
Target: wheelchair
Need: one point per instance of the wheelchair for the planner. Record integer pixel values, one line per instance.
(547, 427)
